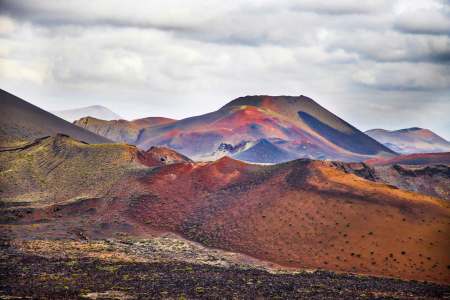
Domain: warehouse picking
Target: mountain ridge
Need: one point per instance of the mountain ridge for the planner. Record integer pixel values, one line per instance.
(302, 126)
(22, 122)
(411, 140)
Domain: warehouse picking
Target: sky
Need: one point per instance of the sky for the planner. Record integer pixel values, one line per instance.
(374, 63)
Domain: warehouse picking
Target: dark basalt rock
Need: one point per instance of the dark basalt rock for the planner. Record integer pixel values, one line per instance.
(436, 170)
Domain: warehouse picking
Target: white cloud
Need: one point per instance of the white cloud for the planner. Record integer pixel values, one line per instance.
(177, 59)
(7, 25)
(405, 76)
(424, 21)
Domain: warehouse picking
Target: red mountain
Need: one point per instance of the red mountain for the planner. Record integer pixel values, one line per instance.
(298, 125)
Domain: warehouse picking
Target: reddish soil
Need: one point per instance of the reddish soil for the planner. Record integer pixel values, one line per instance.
(160, 156)
(302, 214)
(413, 159)
(305, 214)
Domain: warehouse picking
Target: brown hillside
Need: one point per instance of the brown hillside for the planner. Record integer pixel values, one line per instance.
(121, 131)
(22, 122)
(54, 169)
(305, 214)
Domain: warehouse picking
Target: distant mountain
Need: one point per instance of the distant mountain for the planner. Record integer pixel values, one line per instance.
(298, 125)
(96, 111)
(410, 140)
(264, 151)
(21, 122)
(121, 130)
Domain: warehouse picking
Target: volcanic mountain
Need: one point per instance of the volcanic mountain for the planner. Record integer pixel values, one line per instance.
(410, 140)
(300, 126)
(121, 130)
(96, 111)
(264, 151)
(23, 122)
(301, 214)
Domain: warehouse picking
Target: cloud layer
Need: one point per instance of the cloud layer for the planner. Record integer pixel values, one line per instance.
(381, 64)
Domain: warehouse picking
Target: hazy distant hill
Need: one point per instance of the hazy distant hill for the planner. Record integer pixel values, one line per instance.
(21, 121)
(411, 140)
(96, 111)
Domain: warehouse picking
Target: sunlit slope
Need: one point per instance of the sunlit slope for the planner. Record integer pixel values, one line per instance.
(303, 214)
(122, 131)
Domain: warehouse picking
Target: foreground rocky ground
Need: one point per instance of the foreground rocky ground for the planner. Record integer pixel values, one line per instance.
(170, 268)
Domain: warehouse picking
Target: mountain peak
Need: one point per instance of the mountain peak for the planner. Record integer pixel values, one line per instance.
(96, 111)
(264, 100)
(411, 129)
(411, 140)
(266, 152)
(97, 106)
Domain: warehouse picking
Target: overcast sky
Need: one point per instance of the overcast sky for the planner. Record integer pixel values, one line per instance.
(377, 64)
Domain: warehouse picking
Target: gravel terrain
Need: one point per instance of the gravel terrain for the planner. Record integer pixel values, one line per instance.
(39, 273)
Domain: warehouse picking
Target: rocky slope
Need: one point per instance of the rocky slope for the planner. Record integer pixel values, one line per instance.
(127, 269)
(428, 179)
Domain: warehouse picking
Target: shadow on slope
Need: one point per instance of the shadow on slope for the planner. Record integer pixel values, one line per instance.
(23, 122)
(355, 141)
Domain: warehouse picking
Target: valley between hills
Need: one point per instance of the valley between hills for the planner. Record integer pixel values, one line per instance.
(268, 197)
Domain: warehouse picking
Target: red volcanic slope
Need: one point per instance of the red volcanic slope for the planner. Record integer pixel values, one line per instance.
(300, 214)
(307, 214)
(152, 121)
(413, 159)
(160, 156)
(303, 127)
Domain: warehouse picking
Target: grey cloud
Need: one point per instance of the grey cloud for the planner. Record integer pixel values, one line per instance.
(405, 76)
(47, 15)
(419, 24)
(175, 59)
(345, 7)
(393, 46)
